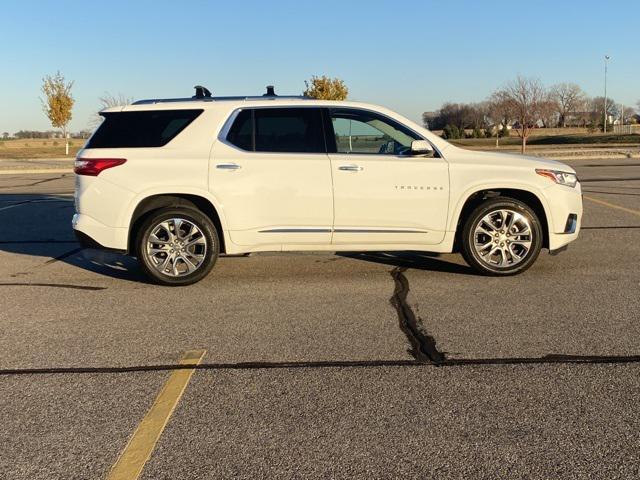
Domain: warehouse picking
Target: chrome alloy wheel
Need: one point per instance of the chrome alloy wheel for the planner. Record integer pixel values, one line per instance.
(502, 238)
(176, 247)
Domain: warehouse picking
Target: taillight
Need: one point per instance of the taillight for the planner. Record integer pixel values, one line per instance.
(93, 166)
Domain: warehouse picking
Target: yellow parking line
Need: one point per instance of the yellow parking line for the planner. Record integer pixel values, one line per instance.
(138, 450)
(613, 205)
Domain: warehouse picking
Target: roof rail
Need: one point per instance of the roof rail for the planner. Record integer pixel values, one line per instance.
(204, 95)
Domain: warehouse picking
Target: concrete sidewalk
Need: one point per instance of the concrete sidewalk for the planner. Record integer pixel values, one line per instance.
(575, 153)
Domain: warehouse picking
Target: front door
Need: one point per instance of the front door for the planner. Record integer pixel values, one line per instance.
(272, 176)
(383, 194)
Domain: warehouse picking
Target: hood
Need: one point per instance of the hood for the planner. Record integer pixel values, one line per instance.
(496, 159)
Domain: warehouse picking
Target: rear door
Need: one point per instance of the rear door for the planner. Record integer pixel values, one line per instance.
(383, 194)
(272, 175)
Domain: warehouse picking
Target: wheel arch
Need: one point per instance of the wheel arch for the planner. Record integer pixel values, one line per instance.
(151, 203)
(477, 197)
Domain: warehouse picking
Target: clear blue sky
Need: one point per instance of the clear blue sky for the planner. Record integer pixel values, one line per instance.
(408, 55)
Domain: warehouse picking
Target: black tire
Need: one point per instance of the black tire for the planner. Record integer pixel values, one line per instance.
(209, 257)
(484, 265)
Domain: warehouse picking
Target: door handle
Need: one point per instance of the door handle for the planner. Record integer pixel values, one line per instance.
(350, 168)
(228, 166)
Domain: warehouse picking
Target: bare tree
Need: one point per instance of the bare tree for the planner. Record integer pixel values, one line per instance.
(500, 113)
(459, 115)
(430, 120)
(524, 98)
(549, 115)
(478, 114)
(627, 114)
(569, 98)
(499, 109)
(596, 110)
(108, 100)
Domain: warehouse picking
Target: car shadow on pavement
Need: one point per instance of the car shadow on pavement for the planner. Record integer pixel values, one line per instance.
(410, 259)
(109, 264)
(41, 227)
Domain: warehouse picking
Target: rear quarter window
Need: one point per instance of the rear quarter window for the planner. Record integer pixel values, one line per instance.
(151, 128)
(241, 132)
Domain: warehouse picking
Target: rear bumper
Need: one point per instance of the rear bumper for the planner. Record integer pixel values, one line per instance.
(93, 234)
(558, 250)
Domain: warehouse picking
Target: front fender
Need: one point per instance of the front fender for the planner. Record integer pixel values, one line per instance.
(496, 186)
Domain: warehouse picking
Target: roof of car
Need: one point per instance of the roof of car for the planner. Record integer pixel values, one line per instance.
(204, 100)
(220, 99)
(231, 102)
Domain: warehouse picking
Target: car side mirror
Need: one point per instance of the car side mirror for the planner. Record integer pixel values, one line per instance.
(421, 147)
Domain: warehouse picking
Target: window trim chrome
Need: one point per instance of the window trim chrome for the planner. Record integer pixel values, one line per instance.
(297, 230)
(224, 132)
(226, 128)
(420, 136)
(341, 230)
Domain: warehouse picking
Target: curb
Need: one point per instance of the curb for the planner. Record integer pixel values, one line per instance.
(586, 157)
(31, 171)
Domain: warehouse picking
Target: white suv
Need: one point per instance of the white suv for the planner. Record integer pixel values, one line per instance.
(177, 182)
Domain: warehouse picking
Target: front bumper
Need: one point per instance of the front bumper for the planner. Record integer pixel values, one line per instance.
(564, 215)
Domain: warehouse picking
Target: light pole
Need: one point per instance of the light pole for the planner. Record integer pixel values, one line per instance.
(604, 125)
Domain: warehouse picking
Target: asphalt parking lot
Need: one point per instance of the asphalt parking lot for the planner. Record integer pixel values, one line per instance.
(381, 365)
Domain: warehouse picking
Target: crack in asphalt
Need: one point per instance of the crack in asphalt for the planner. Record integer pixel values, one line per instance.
(546, 360)
(28, 202)
(58, 285)
(30, 242)
(49, 262)
(423, 346)
(63, 256)
(35, 183)
(423, 349)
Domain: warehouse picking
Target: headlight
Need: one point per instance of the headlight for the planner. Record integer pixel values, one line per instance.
(563, 178)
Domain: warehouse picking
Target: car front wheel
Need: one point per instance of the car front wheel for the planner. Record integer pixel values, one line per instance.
(177, 246)
(502, 236)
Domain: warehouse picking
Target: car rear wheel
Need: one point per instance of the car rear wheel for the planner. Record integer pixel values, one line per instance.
(502, 236)
(177, 246)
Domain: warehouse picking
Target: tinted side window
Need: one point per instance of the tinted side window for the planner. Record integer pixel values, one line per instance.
(360, 131)
(289, 130)
(241, 132)
(151, 128)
